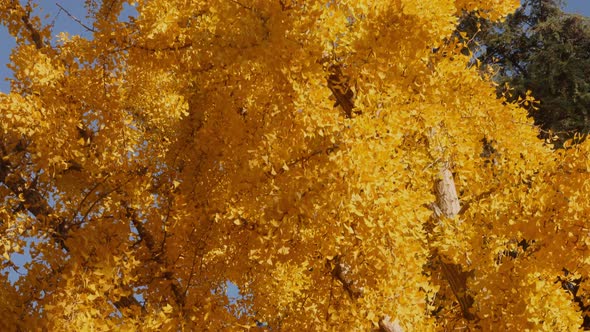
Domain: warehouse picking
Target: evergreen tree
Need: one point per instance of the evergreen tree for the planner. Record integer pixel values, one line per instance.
(542, 49)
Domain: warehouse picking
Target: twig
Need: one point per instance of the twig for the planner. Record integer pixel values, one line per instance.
(52, 24)
(75, 18)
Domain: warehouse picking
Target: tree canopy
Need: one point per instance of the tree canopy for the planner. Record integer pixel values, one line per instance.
(340, 162)
(541, 49)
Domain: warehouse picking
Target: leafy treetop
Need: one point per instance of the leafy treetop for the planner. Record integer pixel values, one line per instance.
(207, 142)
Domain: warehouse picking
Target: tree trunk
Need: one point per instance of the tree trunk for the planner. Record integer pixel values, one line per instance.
(447, 202)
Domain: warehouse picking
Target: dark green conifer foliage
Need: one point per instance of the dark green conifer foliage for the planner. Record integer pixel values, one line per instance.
(545, 50)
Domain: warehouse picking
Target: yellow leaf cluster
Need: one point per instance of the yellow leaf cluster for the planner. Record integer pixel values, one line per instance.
(197, 150)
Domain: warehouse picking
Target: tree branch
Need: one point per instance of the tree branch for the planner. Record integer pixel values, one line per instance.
(26, 19)
(341, 271)
(338, 84)
(157, 254)
(386, 325)
(447, 204)
(75, 18)
(34, 202)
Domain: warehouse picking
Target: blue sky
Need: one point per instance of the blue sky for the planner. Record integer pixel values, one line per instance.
(578, 6)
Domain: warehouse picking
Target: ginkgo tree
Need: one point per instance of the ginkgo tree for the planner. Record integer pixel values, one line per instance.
(339, 162)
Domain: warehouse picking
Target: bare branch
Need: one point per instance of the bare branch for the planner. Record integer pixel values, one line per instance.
(75, 18)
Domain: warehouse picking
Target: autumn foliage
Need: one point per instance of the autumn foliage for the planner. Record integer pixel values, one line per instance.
(337, 161)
